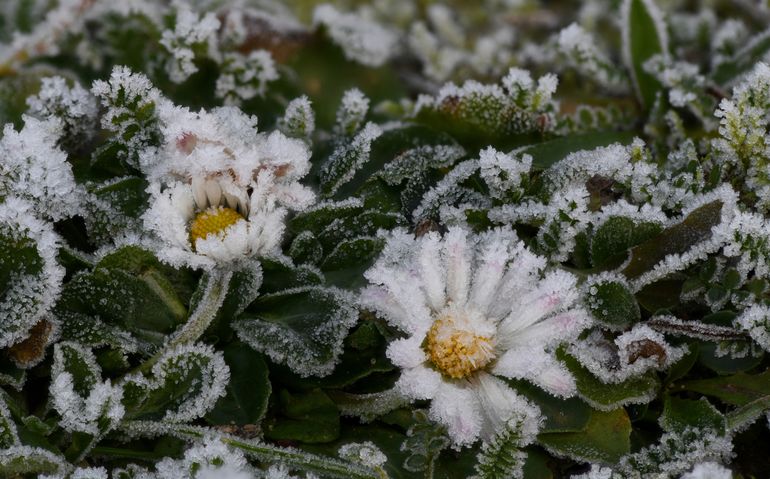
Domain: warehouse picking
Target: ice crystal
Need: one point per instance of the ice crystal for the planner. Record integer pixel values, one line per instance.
(34, 279)
(74, 106)
(208, 460)
(244, 77)
(190, 31)
(33, 167)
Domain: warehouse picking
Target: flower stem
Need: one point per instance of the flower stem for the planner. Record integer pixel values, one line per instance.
(213, 296)
(295, 458)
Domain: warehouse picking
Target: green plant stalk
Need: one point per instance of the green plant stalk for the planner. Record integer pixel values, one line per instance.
(295, 458)
(213, 297)
(745, 415)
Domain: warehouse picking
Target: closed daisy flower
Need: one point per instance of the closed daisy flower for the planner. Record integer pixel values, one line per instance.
(220, 190)
(474, 310)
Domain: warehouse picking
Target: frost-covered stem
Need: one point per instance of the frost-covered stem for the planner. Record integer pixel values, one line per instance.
(695, 329)
(324, 466)
(208, 306)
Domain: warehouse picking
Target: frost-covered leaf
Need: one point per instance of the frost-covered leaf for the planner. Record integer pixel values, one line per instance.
(547, 153)
(115, 207)
(610, 301)
(743, 60)
(679, 414)
(644, 36)
(347, 159)
(20, 460)
(8, 434)
(605, 439)
(186, 382)
(299, 119)
(606, 397)
(612, 240)
(502, 456)
(737, 389)
(302, 327)
(30, 276)
(248, 390)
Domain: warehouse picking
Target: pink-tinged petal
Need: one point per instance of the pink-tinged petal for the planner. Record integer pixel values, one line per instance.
(521, 277)
(419, 383)
(548, 332)
(379, 300)
(401, 285)
(407, 352)
(538, 367)
(458, 409)
(556, 291)
(432, 271)
(457, 256)
(499, 403)
(490, 269)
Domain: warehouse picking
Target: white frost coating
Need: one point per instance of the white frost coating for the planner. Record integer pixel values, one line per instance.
(633, 353)
(208, 386)
(720, 235)
(503, 173)
(75, 107)
(15, 453)
(747, 238)
(244, 77)
(211, 459)
(299, 119)
(348, 158)
(708, 470)
(366, 453)
(80, 473)
(445, 191)
(190, 31)
(33, 167)
(489, 288)
(84, 413)
(582, 53)
(352, 111)
(218, 158)
(362, 40)
(756, 320)
(30, 293)
(309, 350)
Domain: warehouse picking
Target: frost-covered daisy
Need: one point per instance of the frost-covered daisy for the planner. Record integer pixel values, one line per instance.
(220, 189)
(475, 309)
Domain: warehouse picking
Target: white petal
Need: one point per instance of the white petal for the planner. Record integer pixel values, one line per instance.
(521, 277)
(458, 409)
(537, 366)
(213, 192)
(432, 271)
(548, 332)
(489, 271)
(407, 352)
(457, 257)
(556, 291)
(500, 403)
(419, 383)
(199, 192)
(400, 283)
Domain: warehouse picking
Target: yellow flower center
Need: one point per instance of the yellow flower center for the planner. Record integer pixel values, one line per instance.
(213, 220)
(456, 352)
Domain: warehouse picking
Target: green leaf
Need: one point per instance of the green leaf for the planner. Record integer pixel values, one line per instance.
(679, 414)
(502, 457)
(726, 364)
(345, 265)
(547, 153)
(302, 327)
(635, 390)
(644, 36)
(278, 274)
(8, 435)
(612, 304)
(737, 389)
(605, 440)
(308, 417)
(24, 460)
(80, 363)
(677, 239)
(610, 243)
(248, 390)
(561, 415)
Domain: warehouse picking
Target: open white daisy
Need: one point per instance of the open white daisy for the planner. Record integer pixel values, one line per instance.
(220, 190)
(474, 309)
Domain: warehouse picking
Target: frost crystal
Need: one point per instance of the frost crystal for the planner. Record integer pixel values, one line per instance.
(33, 167)
(190, 32)
(34, 281)
(756, 320)
(708, 470)
(503, 173)
(365, 453)
(75, 107)
(362, 40)
(244, 77)
(209, 460)
(486, 296)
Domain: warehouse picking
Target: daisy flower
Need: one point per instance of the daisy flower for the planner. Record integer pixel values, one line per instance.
(220, 189)
(474, 310)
